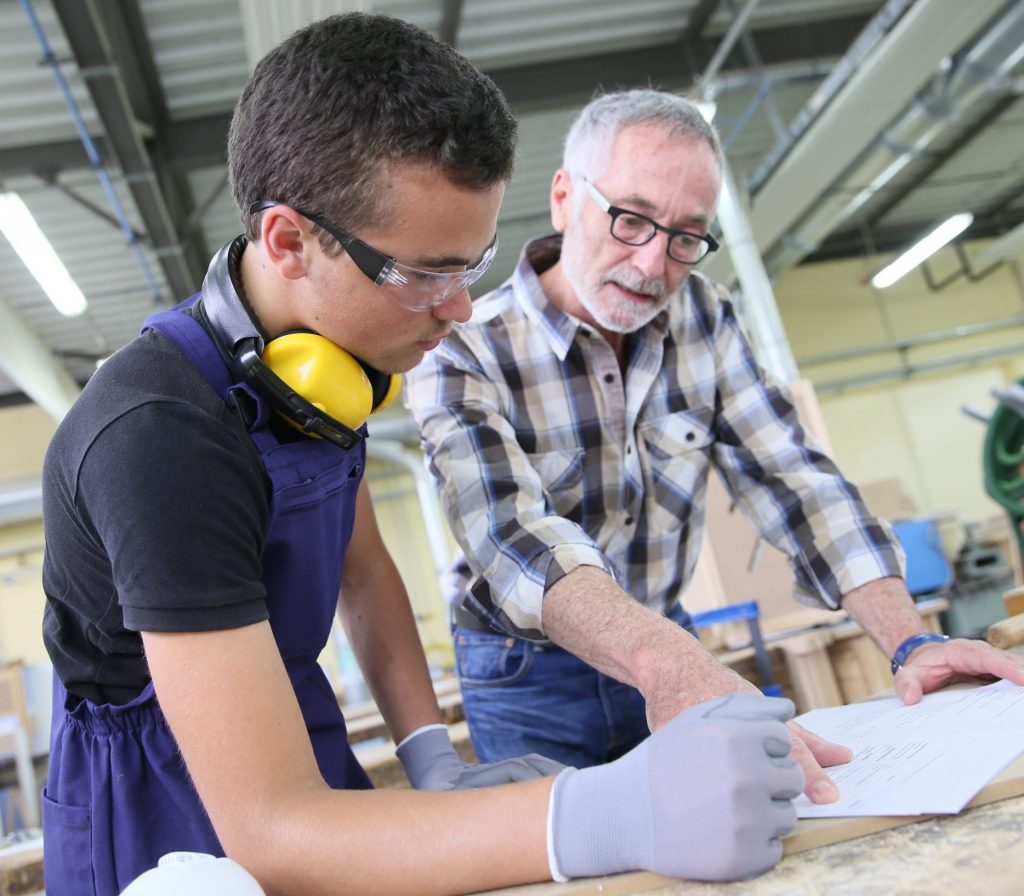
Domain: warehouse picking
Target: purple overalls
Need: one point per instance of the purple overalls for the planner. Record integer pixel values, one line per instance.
(117, 795)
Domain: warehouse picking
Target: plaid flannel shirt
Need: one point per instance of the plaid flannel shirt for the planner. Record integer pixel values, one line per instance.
(547, 458)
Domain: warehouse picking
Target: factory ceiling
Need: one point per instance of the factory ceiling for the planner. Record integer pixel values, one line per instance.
(851, 126)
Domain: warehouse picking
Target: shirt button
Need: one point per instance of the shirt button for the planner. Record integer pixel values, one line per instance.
(629, 521)
(629, 449)
(690, 437)
(609, 377)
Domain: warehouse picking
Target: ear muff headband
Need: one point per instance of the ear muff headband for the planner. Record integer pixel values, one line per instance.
(313, 383)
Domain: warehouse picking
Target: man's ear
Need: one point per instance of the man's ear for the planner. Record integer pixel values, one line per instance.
(286, 239)
(561, 199)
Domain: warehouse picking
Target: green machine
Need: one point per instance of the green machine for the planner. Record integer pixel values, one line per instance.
(1004, 456)
(982, 573)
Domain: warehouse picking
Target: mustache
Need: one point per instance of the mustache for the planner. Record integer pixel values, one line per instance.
(634, 281)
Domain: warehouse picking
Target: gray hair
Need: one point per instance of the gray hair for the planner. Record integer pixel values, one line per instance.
(589, 141)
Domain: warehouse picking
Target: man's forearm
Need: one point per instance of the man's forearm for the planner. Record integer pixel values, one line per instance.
(587, 614)
(886, 611)
(374, 608)
(382, 631)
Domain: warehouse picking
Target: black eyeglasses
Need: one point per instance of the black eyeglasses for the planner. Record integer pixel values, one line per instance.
(412, 288)
(634, 229)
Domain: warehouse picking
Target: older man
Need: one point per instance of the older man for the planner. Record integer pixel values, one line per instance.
(571, 426)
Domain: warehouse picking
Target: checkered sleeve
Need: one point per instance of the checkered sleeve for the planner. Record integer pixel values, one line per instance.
(781, 478)
(514, 544)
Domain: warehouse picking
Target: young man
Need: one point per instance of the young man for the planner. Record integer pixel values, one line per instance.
(571, 426)
(205, 516)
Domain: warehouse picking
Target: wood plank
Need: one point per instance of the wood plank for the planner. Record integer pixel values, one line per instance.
(810, 834)
(364, 721)
(21, 868)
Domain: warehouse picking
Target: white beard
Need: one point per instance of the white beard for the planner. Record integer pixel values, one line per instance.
(621, 315)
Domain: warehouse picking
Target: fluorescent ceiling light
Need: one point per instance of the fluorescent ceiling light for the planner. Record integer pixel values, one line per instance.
(921, 250)
(34, 249)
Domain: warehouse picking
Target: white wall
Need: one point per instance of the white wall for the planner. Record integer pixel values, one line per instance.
(912, 430)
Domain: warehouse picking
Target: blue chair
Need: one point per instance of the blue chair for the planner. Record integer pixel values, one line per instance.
(928, 569)
(750, 613)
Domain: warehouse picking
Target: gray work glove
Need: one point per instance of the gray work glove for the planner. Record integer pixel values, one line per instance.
(707, 797)
(431, 763)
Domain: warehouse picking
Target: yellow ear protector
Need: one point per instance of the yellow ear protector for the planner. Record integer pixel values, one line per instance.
(329, 378)
(314, 384)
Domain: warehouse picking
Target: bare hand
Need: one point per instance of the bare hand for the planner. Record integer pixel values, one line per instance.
(814, 754)
(933, 666)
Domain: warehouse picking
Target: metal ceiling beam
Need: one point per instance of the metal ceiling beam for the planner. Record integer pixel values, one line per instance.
(184, 146)
(877, 211)
(1006, 200)
(130, 44)
(53, 182)
(201, 142)
(18, 161)
(451, 21)
(881, 88)
(853, 243)
(105, 77)
(727, 43)
(194, 142)
(1005, 248)
(673, 65)
(852, 59)
(700, 18)
(953, 96)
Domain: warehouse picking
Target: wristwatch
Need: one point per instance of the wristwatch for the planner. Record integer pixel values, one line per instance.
(902, 654)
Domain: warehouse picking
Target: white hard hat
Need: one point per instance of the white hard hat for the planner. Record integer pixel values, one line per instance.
(201, 874)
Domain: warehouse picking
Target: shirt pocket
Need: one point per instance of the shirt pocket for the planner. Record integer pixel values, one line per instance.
(676, 457)
(561, 477)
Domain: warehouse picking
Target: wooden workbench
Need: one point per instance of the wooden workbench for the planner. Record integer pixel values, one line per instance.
(980, 851)
(977, 852)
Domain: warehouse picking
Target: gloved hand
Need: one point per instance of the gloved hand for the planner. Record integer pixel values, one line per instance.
(708, 797)
(431, 763)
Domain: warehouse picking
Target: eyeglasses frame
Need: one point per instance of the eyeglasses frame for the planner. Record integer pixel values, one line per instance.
(614, 211)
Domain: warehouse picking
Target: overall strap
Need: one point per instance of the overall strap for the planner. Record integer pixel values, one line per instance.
(195, 343)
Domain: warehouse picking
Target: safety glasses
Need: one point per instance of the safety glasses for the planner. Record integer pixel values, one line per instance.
(412, 288)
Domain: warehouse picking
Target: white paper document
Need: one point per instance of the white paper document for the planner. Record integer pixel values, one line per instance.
(927, 759)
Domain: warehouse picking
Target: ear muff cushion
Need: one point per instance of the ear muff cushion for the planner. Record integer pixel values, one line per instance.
(394, 387)
(324, 374)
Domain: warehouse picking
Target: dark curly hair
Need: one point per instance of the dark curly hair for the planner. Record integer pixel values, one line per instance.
(326, 111)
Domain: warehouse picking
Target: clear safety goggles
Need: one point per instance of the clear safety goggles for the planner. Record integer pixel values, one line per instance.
(412, 288)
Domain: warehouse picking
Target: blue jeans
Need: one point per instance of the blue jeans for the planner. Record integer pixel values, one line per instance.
(522, 697)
